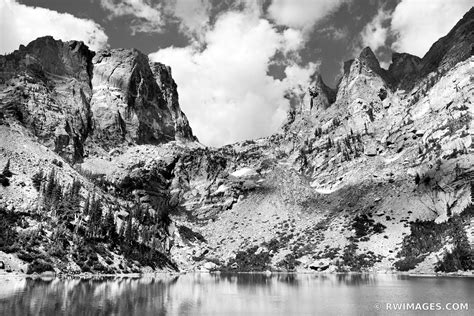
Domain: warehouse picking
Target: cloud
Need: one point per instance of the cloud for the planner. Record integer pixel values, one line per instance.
(20, 24)
(334, 33)
(417, 24)
(302, 14)
(147, 17)
(292, 40)
(152, 16)
(375, 33)
(224, 89)
(193, 14)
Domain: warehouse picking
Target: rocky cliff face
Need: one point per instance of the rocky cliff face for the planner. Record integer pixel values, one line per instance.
(72, 98)
(452, 48)
(62, 104)
(169, 91)
(133, 104)
(376, 176)
(404, 68)
(46, 86)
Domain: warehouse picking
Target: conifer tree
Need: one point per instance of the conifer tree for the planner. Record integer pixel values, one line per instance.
(6, 170)
(129, 231)
(109, 227)
(86, 207)
(37, 179)
(95, 219)
(50, 185)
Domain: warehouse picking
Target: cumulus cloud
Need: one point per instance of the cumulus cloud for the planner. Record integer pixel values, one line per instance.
(193, 14)
(302, 14)
(376, 31)
(417, 24)
(224, 89)
(292, 40)
(150, 16)
(20, 24)
(147, 15)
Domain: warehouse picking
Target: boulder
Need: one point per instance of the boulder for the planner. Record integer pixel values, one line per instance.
(210, 266)
(370, 149)
(320, 264)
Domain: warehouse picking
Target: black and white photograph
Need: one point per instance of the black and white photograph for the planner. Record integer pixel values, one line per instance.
(236, 157)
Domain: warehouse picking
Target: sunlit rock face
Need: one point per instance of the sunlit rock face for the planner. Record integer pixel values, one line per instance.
(75, 100)
(362, 79)
(128, 105)
(169, 92)
(319, 96)
(47, 87)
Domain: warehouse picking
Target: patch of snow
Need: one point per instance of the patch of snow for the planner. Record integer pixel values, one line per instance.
(221, 188)
(323, 190)
(394, 158)
(244, 172)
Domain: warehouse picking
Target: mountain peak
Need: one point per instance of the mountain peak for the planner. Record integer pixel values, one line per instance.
(114, 100)
(456, 46)
(135, 101)
(49, 56)
(403, 66)
(368, 58)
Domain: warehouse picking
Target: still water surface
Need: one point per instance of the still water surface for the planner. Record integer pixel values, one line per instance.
(234, 294)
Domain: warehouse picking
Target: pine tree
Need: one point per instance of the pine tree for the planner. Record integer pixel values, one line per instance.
(109, 227)
(75, 189)
(86, 209)
(56, 199)
(417, 179)
(329, 143)
(37, 179)
(50, 185)
(138, 213)
(6, 170)
(129, 231)
(95, 220)
(121, 233)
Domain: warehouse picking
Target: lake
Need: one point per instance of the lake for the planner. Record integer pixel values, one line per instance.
(238, 294)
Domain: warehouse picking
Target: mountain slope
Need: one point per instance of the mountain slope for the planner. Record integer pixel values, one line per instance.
(59, 105)
(375, 176)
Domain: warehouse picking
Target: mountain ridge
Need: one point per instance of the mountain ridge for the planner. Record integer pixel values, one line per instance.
(374, 176)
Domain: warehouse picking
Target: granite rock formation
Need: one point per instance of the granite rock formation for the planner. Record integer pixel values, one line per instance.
(375, 176)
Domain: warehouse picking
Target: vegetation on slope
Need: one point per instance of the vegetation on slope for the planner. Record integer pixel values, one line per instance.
(67, 229)
(427, 237)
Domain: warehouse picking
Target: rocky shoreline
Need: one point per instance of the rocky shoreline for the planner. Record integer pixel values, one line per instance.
(462, 274)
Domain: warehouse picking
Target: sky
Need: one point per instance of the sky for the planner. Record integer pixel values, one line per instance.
(234, 61)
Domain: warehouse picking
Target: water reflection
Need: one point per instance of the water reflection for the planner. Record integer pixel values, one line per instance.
(225, 294)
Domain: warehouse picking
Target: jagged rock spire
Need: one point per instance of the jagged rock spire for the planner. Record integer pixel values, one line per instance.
(368, 58)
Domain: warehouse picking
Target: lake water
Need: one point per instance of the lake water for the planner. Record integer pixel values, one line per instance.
(238, 294)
